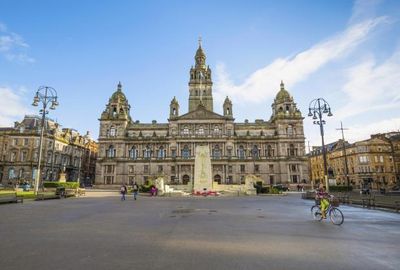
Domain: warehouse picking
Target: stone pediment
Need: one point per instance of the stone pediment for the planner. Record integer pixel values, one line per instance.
(201, 113)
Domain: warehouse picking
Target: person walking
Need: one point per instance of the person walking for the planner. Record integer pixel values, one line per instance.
(135, 190)
(124, 190)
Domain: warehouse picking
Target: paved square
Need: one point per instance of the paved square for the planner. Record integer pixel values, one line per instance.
(193, 233)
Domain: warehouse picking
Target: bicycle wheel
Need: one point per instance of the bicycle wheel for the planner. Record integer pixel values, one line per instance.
(336, 216)
(316, 212)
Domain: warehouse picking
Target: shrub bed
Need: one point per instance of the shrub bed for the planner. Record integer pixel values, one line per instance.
(339, 188)
(71, 185)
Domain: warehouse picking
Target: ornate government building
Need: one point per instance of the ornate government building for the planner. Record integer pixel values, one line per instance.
(272, 150)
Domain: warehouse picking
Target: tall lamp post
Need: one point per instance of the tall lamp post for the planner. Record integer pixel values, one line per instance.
(45, 95)
(317, 108)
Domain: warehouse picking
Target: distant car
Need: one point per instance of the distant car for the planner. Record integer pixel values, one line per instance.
(281, 187)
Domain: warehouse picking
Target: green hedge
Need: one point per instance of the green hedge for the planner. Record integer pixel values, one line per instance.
(339, 188)
(275, 191)
(71, 185)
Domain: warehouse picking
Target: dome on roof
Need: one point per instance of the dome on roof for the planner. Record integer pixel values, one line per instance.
(118, 95)
(283, 95)
(200, 53)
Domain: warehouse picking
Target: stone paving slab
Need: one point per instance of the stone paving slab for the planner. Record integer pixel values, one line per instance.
(193, 233)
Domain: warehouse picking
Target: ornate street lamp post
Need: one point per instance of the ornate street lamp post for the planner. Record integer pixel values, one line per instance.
(316, 109)
(45, 95)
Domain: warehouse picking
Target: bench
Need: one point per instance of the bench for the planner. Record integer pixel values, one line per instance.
(387, 202)
(11, 198)
(47, 196)
(70, 193)
(343, 197)
(368, 201)
(81, 192)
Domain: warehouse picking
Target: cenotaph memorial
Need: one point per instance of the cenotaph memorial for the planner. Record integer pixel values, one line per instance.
(202, 170)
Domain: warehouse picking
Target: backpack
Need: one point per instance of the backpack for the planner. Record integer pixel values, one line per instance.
(122, 189)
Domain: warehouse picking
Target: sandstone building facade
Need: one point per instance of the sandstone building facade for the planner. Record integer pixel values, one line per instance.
(64, 150)
(372, 163)
(130, 151)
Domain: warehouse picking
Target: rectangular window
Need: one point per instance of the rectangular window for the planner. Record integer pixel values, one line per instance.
(229, 153)
(146, 168)
(173, 153)
(160, 168)
(109, 168)
(131, 168)
(229, 169)
(13, 156)
(229, 180)
(295, 178)
(172, 169)
(271, 168)
(242, 168)
(26, 141)
(108, 179)
(271, 179)
(256, 168)
(15, 142)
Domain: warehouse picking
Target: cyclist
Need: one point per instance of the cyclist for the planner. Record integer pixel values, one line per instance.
(323, 196)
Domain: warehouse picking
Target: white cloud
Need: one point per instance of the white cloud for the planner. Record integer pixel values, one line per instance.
(13, 47)
(11, 107)
(262, 84)
(371, 86)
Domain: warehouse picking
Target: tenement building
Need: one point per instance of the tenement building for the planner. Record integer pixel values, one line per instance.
(64, 151)
(272, 150)
(370, 163)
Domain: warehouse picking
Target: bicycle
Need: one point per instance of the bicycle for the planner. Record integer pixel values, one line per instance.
(335, 215)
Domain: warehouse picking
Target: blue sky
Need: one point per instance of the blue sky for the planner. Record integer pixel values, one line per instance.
(346, 52)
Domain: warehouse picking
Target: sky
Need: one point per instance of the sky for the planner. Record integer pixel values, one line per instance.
(347, 52)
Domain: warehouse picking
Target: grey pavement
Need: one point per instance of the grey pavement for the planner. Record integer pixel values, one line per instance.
(269, 232)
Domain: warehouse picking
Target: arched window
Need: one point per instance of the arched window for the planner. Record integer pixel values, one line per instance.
(133, 153)
(173, 111)
(186, 152)
(111, 152)
(269, 151)
(289, 130)
(185, 179)
(292, 151)
(216, 152)
(217, 178)
(147, 152)
(200, 131)
(11, 173)
(241, 152)
(186, 131)
(217, 131)
(161, 152)
(21, 173)
(113, 132)
(255, 152)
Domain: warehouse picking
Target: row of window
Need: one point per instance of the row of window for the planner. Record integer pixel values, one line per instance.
(58, 159)
(186, 152)
(185, 179)
(109, 169)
